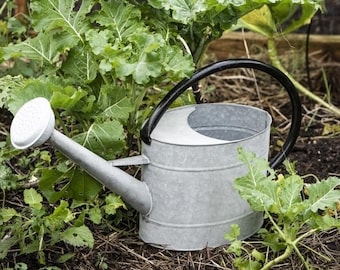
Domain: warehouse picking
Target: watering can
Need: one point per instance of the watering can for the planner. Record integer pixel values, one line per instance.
(189, 161)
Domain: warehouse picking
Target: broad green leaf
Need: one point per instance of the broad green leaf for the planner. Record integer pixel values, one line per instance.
(82, 186)
(177, 65)
(259, 256)
(184, 11)
(80, 65)
(74, 183)
(290, 166)
(105, 139)
(260, 21)
(64, 258)
(257, 167)
(59, 217)
(212, 13)
(235, 247)
(247, 263)
(290, 196)
(33, 198)
(234, 232)
(124, 19)
(95, 215)
(8, 180)
(284, 10)
(112, 203)
(272, 240)
(50, 15)
(100, 41)
(325, 221)
(33, 89)
(45, 48)
(81, 218)
(7, 84)
(49, 180)
(113, 103)
(7, 214)
(148, 65)
(323, 194)
(258, 189)
(119, 110)
(66, 98)
(22, 266)
(274, 14)
(308, 10)
(78, 236)
(5, 244)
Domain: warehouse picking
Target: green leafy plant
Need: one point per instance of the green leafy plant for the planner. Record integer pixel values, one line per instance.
(274, 21)
(95, 78)
(294, 210)
(34, 227)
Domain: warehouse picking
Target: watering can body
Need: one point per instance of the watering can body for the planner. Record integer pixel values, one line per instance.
(191, 173)
(185, 197)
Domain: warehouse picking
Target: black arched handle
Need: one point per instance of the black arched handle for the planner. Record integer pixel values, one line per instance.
(231, 64)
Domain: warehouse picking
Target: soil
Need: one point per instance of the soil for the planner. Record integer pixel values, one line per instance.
(316, 152)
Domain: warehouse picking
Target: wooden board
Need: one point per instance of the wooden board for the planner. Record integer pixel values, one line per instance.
(232, 45)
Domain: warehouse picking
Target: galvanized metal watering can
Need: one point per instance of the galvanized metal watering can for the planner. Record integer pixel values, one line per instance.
(189, 161)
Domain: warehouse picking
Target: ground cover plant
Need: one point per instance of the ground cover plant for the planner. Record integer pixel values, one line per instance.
(289, 205)
(103, 65)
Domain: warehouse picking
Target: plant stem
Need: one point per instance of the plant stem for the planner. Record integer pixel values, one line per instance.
(277, 63)
(310, 232)
(3, 7)
(277, 228)
(61, 123)
(132, 115)
(278, 259)
(305, 263)
(200, 50)
(317, 253)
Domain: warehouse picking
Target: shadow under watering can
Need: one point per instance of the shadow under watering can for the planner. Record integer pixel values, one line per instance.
(185, 198)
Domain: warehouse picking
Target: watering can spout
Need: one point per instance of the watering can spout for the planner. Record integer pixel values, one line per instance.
(27, 131)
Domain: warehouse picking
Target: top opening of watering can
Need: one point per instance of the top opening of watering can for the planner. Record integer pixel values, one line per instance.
(210, 124)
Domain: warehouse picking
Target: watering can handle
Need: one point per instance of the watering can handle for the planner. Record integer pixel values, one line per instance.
(231, 64)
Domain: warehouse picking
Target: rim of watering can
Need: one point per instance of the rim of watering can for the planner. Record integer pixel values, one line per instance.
(179, 137)
(182, 86)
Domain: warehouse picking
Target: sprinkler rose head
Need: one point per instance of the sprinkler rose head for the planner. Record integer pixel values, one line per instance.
(33, 124)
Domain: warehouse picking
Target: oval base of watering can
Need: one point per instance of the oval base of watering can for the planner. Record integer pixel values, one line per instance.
(195, 147)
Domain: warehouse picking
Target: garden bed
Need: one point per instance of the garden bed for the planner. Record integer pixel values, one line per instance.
(316, 152)
(316, 155)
